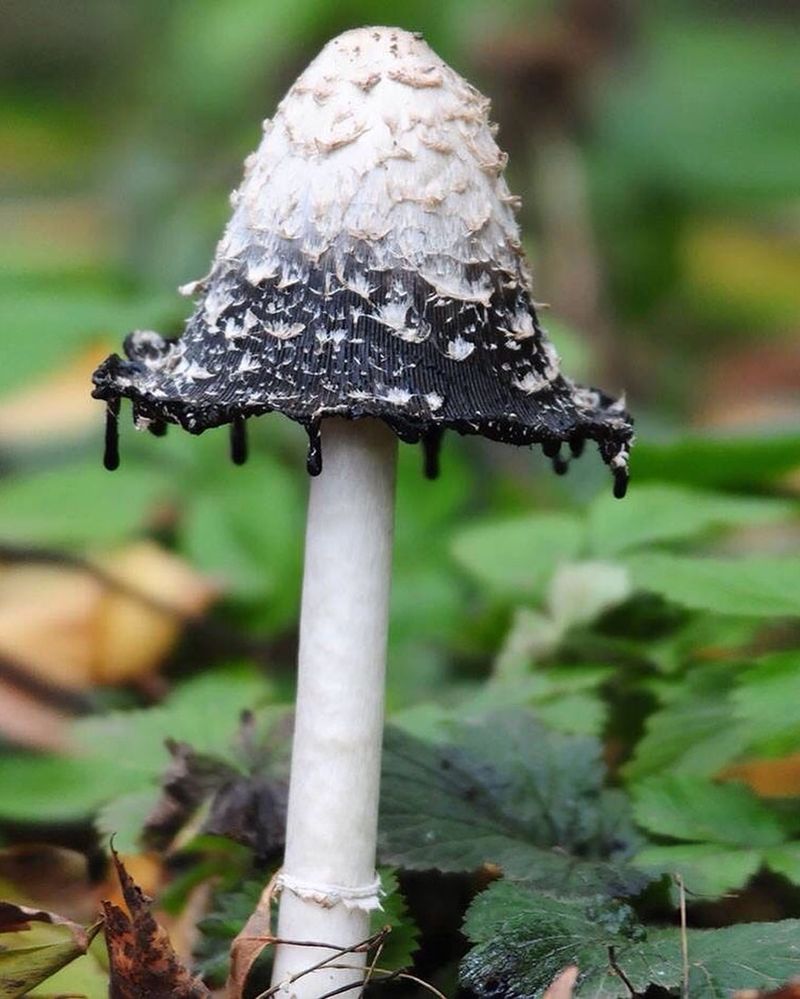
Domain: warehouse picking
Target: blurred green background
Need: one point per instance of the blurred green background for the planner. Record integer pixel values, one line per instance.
(657, 151)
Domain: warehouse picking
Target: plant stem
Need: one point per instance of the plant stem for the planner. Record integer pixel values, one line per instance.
(333, 797)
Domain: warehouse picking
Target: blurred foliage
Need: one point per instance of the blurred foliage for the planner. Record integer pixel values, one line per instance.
(618, 680)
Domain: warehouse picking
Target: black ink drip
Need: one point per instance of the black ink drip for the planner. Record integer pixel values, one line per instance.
(621, 478)
(577, 445)
(314, 455)
(560, 465)
(158, 428)
(238, 441)
(551, 448)
(111, 451)
(431, 446)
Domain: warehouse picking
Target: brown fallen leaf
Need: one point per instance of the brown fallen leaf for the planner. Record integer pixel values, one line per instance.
(789, 991)
(73, 628)
(254, 936)
(27, 721)
(31, 955)
(778, 778)
(49, 877)
(142, 959)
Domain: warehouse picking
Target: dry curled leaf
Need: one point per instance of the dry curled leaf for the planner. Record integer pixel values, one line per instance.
(142, 960)
(254, 936)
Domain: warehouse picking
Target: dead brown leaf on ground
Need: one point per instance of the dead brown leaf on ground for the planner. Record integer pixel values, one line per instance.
(778, 778)
(254, 936)
(789, 991)
(142, 959)
(73, 628)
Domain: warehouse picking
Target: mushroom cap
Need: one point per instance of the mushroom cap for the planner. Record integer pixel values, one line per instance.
(372, 267)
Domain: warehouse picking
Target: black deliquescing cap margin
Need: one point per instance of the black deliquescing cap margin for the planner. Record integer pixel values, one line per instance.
(319, 348)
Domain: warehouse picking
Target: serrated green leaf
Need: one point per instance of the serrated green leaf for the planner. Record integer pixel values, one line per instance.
(709, 871)
(657, 512)
(697, 810)
(403, 941)
(725, 961)
(506, 792)
(765, 703)
(525, 938)
(695, 734)
(757, 587)
(516, 557)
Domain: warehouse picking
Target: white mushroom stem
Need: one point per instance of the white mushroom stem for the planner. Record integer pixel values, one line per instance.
(328, 878)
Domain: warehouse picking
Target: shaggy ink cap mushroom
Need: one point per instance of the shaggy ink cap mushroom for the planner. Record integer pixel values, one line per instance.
(372, 267)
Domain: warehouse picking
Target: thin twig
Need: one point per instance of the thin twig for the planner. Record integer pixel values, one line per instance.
(343, 988)
(364, 945)
(390, 976)
(378, 951)
(612, 960)
(684, 937)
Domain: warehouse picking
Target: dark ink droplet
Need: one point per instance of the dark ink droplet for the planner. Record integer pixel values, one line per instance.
(431, 447)
(111, 450)
(621, 478)
(560, 465)
(577, 445)
(551, 448)
(158, 428)
(238, 441)
(314, 455)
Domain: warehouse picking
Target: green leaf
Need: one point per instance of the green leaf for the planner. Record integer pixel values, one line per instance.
(694, 733)
(506, 792)
(765, 702)
(525, 938)
(47, 320)
(722, 462)
(123, 752)
(758, 587)
(403, 942)
(708, 870)
(657, 512)
(516, 557)
(747, 956)
(78, 505)
(29, 957)
(247, 530)
(784, 860)
(690, 808)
